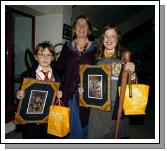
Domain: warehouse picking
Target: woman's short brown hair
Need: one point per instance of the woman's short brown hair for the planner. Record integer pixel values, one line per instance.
(87, 21)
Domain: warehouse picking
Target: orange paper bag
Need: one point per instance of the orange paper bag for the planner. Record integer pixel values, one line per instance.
(136, 105)
(59, 120)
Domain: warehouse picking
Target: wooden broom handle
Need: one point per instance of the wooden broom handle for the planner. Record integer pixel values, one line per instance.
(126, 58)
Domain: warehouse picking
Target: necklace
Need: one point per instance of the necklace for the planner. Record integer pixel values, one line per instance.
(108, 53)
(80, 48)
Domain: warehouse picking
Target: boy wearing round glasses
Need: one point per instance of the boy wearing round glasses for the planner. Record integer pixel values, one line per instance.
(44, 54)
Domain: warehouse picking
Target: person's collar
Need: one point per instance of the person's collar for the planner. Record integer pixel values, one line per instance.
(39, 72)
(40, 69)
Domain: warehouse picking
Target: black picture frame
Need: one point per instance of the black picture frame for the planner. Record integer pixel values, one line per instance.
(96, 82)
(67, 32)
(39, 96)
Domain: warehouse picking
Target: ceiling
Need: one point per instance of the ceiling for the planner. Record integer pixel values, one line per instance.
(109, 13)
(101, 15)
(127, 17)
(39, 10)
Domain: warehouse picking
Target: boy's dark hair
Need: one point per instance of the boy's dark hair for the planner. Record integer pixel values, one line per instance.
(45, 44)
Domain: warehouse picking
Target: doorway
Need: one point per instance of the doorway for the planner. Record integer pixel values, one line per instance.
(19, 35)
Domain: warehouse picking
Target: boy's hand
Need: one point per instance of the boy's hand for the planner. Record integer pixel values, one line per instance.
(59, 94)
(20, 94)
(80, 90)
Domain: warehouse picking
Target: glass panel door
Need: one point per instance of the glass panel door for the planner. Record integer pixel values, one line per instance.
(19, 36)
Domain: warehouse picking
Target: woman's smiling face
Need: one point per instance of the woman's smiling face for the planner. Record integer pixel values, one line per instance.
(110, 39)
(81, 28)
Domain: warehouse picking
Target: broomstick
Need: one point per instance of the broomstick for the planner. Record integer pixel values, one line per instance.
(126, 58)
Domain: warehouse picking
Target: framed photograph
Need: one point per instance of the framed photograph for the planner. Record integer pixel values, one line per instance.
(96, 81)
(67, 32)
(39, 96)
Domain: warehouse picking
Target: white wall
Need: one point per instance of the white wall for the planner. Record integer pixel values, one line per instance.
(49, 27)
(67, 14)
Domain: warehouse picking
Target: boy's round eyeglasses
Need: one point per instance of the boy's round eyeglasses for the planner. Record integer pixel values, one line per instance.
(43, 55)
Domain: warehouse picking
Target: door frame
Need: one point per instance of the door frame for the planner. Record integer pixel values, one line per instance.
(10, 106)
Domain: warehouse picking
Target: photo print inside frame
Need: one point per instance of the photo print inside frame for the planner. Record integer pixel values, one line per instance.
(95, 86)
(37, 102)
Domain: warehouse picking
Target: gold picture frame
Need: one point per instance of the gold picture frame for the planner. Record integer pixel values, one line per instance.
(96, 82)
(34, 107)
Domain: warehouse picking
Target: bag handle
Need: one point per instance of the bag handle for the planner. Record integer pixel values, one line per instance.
(130, 83)
(59, 102)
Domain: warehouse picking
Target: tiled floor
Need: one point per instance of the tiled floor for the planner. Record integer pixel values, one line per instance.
(141, 127)
(14, 135)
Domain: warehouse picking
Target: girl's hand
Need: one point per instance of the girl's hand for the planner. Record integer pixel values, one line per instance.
(129, 66)
(20, 94)
(59, 94)
(80, 90)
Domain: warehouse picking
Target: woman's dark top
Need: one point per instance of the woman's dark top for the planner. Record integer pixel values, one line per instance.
(68, 64)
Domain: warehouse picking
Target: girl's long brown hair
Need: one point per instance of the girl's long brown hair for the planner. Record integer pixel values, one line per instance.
(101, 46)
